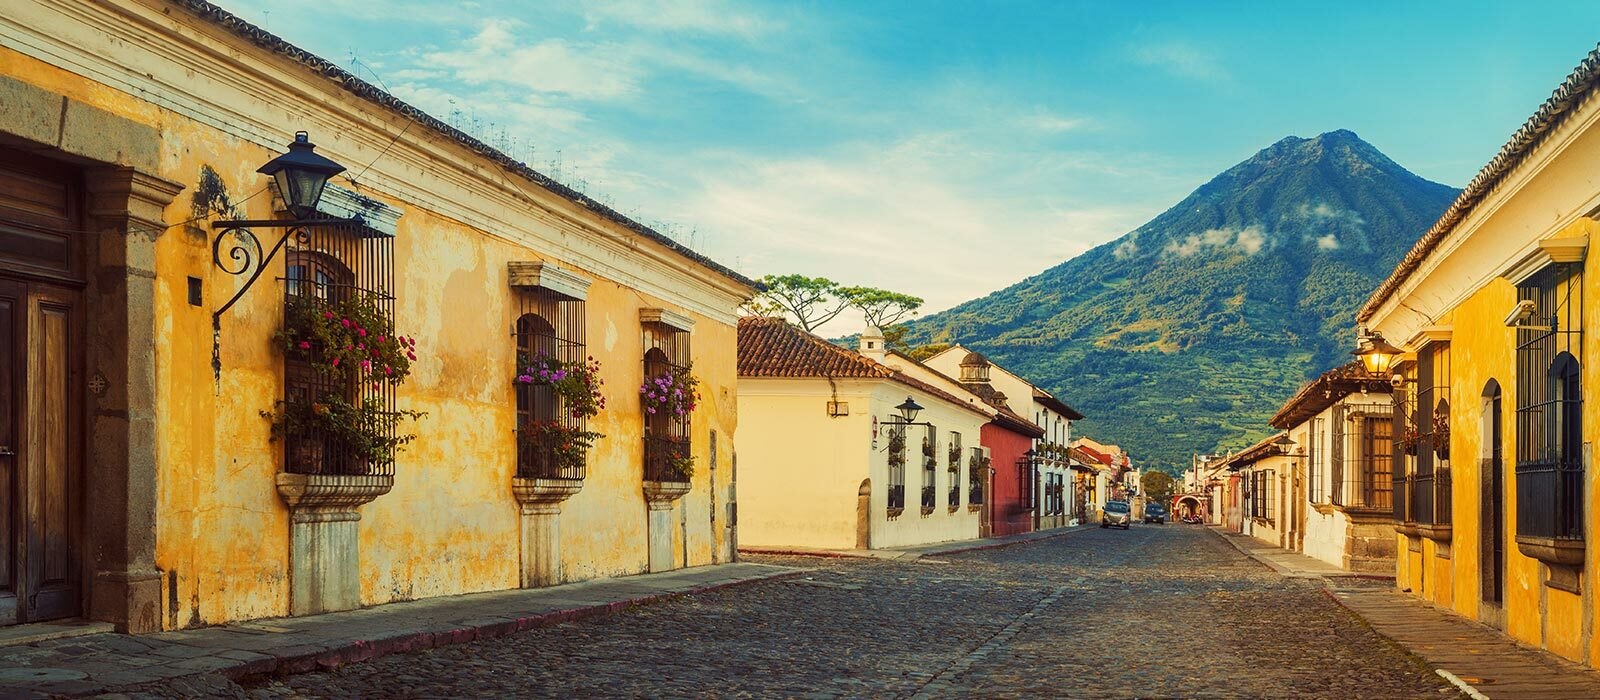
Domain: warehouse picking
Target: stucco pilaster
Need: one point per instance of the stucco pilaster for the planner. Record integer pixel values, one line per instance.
(325, 538)
(661, 496)
(125, 206)
(539, 501)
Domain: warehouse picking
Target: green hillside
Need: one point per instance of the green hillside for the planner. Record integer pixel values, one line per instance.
(1184, 335)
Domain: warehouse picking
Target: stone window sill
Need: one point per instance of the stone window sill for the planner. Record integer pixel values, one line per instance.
(1438, 532)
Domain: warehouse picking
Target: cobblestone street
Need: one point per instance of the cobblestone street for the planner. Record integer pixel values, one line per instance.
(1156, 611)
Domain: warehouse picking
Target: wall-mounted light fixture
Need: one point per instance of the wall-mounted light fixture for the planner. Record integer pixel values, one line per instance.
(301, 176)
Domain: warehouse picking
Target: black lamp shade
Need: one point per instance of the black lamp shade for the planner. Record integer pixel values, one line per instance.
(909, 410)
(301, 175)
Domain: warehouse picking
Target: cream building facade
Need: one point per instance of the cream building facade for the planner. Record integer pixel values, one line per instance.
(821, 461)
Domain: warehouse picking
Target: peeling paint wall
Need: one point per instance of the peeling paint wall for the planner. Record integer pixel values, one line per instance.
(450, 525)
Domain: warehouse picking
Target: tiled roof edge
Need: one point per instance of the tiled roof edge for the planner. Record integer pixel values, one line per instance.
(1582, 80)
(367, 91)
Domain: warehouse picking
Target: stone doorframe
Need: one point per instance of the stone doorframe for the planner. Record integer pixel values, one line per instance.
(125, 203)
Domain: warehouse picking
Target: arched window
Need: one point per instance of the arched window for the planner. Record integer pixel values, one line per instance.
(1566, 420)
(334, 418)
(549, 336)
(666, 437)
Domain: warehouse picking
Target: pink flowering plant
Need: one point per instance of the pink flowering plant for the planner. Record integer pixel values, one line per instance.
(673, 393)
(349, 338)
(576, 383)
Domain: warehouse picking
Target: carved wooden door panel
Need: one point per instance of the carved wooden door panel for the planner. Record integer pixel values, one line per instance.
(40, 427)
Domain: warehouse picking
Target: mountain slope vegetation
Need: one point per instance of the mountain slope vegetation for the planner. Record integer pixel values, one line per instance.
(1184, 335)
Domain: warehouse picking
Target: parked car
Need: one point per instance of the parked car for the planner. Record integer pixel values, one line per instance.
(1116, 513)
(1154, 513)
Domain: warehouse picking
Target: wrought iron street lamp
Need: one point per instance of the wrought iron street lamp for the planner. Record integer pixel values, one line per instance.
(1376, 354)
(908, 410)
(301, 176)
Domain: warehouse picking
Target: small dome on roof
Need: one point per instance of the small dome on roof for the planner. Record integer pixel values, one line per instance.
(973, 359)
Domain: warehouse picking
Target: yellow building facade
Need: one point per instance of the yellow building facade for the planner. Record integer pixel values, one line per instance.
(1495, 306)
(127, 128)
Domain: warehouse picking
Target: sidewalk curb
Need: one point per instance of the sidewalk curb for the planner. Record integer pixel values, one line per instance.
(295, 660)
(900, 555)
(1293, 573)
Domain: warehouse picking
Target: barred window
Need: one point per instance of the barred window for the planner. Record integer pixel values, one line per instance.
(897, 468)
(1549, 468)
(345, 271)
(666, 436)
(549, 333)
(954, 469)
(1316, 471)
(930, 466)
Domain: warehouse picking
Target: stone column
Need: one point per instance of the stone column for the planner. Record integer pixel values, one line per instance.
(325, 538)
(126, 206)
(540, 502)
(660, 497)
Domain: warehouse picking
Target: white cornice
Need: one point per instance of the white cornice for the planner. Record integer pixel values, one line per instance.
(1426, 335)
(201, 72)
(668, 318)
(1549, 251)
(539, 274)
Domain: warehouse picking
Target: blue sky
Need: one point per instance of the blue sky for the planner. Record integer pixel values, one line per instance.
(940, 149)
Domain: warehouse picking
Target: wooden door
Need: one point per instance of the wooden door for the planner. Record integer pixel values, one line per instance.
(40, 427)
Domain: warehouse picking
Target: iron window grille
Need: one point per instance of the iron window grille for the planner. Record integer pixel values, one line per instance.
(1401, 479)
(1362, 456)
(1549, 469)
(930, 466)
(549, 325)
(666, 437)
(1316, 471)
(335, 264)
(953, 472)
(1027, 499)
(976, 468)
(897, 467)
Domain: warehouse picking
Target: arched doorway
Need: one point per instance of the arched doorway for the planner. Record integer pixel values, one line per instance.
(1492, 477)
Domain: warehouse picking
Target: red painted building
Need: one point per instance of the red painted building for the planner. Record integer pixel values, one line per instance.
(1010, 505)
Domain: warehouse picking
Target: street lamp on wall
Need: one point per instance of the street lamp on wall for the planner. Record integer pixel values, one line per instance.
(301, 176)
(908, 411)
(1375, 353)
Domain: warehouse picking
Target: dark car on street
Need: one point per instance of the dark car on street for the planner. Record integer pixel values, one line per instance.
(1116, 513)
(1155, 513)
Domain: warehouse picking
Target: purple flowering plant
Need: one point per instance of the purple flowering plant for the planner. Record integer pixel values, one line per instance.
(577, 384)
(673, 393)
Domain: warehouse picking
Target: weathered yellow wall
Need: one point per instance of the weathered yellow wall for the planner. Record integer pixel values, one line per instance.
(799, 469)
(1483, 348)
(450, 525)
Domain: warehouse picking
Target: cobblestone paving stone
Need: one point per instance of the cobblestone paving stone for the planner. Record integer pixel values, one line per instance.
(1158, 611)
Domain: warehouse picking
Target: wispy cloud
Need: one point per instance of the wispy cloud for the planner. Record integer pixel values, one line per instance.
(686, 16)
(1180, 58)
(594, 71)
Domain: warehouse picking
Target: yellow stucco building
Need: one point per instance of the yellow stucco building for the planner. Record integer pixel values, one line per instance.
(155, 438)
(1494, 486)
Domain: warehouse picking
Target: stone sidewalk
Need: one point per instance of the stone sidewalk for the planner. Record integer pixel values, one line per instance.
(1480, 660)
(99, 663)
(918, 551)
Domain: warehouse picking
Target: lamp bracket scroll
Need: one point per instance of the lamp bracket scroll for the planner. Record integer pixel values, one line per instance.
(238, 251)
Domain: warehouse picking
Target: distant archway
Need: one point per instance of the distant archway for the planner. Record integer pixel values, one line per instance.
(1188, 507)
